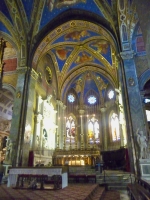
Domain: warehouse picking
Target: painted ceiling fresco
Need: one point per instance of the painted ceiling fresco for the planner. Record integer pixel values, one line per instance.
(51, 9)
(76, 47)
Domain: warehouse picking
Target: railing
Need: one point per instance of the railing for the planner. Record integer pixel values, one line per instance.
(108, 178)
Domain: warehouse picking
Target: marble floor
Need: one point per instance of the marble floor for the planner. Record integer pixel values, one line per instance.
(124, 195)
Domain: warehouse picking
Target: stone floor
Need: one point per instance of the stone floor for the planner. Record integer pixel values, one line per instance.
(72, 192)
(123, 195)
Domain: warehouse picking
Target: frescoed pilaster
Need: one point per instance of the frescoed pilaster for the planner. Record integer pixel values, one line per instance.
(135, 104)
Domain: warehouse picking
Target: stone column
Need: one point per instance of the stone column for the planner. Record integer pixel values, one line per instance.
(64, 127)
(104, 133)
(19, 115)
(81, 112)
(60, 123)
(29, 124)
(135, 115)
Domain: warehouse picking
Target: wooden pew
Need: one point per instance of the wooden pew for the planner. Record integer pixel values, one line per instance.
(136, 191)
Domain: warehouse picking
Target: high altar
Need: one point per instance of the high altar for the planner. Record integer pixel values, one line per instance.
(59, 144)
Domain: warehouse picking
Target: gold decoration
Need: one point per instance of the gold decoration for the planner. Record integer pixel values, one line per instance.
(18, 95)
(48, 75)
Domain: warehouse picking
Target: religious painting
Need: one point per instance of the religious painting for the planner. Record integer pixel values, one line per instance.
(78, 86)
(61, 3)
(101, 46)
(9, 51)
(70, 127)
(77, 35)
(83, 57)
(101, 84)
(62, 53)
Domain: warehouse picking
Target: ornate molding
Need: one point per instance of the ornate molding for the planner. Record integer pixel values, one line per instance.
(22, 70)
(126, 55)
(34, 74)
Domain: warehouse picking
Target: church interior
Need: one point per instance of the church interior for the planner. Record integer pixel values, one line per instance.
(74, 83)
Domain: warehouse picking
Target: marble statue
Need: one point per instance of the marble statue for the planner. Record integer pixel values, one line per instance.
(9, 149)
(142, 142)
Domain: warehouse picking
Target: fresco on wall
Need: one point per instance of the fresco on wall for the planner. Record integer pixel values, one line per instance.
(78, 85)
(9, 51)
(138, 42)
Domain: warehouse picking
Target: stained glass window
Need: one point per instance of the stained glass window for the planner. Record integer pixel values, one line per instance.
(92, 99)
(70, 127)
(71, 98)
(93, 130)
(115, 127)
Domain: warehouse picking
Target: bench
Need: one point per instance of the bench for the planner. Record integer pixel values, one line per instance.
(137, 191)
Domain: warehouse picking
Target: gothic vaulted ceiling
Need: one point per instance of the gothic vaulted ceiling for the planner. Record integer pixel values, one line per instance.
(79, 37)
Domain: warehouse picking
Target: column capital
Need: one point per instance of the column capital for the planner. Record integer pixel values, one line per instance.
(64, 107)
(126, 55)
(103, 109)
(22, 70)
(38, 117)
(81, 112)
(60, 103)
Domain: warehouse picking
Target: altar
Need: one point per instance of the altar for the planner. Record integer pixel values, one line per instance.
(49, 171)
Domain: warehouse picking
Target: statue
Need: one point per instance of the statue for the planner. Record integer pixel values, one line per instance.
(142, 142)
(8, 152)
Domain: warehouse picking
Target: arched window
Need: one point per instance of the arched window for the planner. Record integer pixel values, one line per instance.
(114, 123)
(93, 130)
(70, 127)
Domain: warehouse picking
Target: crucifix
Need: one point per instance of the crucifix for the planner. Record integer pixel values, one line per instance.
(2, 46)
